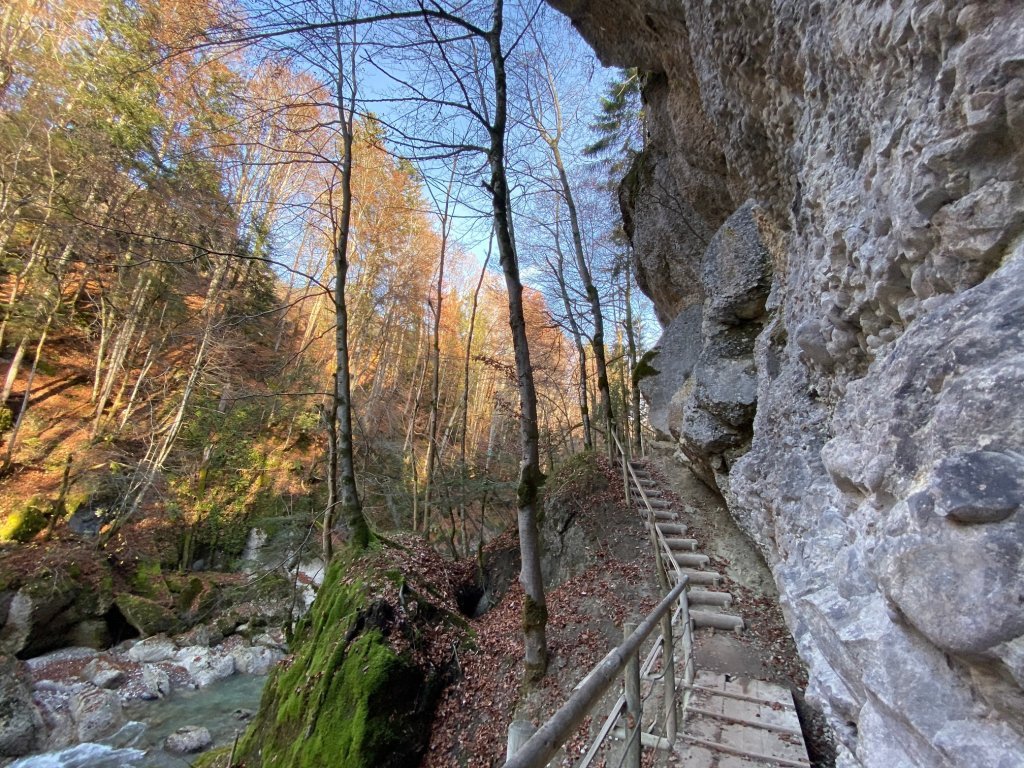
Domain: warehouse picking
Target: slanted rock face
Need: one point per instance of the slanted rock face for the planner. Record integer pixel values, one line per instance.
(878, 316)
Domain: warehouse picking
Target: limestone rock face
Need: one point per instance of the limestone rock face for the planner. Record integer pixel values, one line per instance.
(836, 189)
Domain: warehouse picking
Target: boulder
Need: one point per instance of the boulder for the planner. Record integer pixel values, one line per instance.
(156, 683)
(188, 740)
(205, 665)
(96, 712)
(21, 726)
(103, 674)
(51, 610)
(256, 660)
(147, 616)
(153, 649)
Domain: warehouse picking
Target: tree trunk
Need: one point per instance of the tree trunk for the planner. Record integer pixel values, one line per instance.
(530, 478)
(634, 390)
(593, 297)
(435, 372)
(577, 337)
(358, 531)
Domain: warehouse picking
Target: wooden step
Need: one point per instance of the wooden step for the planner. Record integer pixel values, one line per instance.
(714, 620)
(702, 577)
(690, 559)
(661, 514)
(681, 544)
(671, 529)
(655, 503)
(706, 597)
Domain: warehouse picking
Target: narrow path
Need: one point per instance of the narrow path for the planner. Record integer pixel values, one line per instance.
(728, 720)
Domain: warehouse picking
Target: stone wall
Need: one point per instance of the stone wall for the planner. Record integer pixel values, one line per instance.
(832, 204)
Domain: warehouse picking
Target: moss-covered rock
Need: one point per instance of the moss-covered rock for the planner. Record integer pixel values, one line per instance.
(23, 523)
(357, 693)
(147, 616)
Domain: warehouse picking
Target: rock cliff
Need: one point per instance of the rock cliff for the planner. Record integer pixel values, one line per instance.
(829, 216)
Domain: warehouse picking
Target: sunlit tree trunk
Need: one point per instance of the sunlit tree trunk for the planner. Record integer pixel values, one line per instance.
(634, 389)
(535, 612)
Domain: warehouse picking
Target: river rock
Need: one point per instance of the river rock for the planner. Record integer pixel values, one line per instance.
(188, 740)
(205, 665)
(103, 674)
(861, 411)
(21, 726)
(156, 683)
(201, 634)
(96, 713)
(256, 660)
(272, 638)
(153, 649)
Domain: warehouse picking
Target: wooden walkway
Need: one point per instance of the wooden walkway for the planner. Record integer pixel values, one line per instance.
(735, 723)
(726, 722)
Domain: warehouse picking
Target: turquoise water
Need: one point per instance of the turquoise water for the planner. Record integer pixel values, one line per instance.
(214, 707)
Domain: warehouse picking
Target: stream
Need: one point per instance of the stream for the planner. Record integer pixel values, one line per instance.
(221, 708)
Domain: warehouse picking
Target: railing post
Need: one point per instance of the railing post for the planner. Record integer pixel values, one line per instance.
(668, 663)
(625, 482)
(519, 732)
(634, 714)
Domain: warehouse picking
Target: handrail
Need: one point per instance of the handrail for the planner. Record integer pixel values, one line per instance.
(548, 739)
(662, 550)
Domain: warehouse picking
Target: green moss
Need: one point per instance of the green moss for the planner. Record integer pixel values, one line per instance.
(644, 369)
(146, 616)
(148, 580)
(215, 758)
(347, 700)
(6, 418)
(23, 523)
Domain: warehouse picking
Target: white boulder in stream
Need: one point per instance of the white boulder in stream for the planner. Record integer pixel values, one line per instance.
(188, 740)
(153, 649)
(205, 665)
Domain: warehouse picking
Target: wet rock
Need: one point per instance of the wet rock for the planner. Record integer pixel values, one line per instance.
(153, 649)
(205, 665)
(21, 726)
(96, 713)
(128, 735)
(188, 740)
(104, 675)
(156, 683)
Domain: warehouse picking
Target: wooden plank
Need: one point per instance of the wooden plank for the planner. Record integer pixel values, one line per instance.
(768, 726)
(740, 696)
(706, 744)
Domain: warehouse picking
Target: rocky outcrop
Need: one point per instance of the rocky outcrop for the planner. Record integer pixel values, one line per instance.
(838, 186)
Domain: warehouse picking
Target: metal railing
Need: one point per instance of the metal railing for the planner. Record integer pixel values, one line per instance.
(533, 749)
